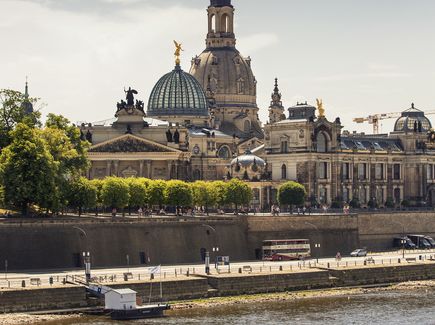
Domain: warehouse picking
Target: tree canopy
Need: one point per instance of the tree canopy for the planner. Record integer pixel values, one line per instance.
(81, 193)
(291, 193)
(238, 192)
(115, 193)
(138, 192)
(156, 192)
(178, 193)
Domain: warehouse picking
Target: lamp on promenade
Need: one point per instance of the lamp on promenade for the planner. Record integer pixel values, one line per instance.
(215, 249)
(316, 245)
(86, 255)
(402, 240)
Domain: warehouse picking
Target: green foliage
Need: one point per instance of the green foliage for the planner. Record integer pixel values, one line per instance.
(2, 197)
(178, 193)
(389, 203)
(138, 192)
(220, 189)
(81, 193)
(204, 194)
(291, 193)
(156, 192)
(28, 170)
(12, 112)
(115, 193)
(98, 184)
(238, 192)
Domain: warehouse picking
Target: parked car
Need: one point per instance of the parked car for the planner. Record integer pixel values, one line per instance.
(397, 242)
(359, 252)
(420, 241)
(430, 240)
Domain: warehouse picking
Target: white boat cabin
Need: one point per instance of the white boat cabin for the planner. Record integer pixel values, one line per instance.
(120, 299)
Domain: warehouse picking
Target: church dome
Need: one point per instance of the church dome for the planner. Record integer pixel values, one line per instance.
(227, 75)
(177, 93)
(248, 167)
(411, 120)
(248, 159)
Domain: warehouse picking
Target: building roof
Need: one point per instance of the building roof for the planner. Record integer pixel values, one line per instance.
(123, 291)
(177, 93)
(247, 159)
(363, 143)
(412, 119)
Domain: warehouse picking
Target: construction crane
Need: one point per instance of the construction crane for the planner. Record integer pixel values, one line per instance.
(374, 119)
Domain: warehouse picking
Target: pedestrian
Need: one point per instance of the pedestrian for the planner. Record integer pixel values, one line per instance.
(139, 212)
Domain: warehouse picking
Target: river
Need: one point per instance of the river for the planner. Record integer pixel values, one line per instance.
(384, 307)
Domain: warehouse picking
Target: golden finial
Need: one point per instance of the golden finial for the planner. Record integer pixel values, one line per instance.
(177, 53)
(320, 108)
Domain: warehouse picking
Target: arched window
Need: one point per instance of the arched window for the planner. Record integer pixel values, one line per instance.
(196, 174)
(322, 142)
(284, 171)
(247, 126)
(225, 24)
(224, 152)
(212, 23)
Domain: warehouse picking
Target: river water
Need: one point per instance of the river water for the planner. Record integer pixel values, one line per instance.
(384, 307)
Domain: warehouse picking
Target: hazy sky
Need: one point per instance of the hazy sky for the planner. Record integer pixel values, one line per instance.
(361, 57)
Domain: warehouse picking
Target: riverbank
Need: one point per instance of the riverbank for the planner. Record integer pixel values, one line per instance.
(305, 294)
(13, 319)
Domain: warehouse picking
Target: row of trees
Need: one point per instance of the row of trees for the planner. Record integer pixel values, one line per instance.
(119, 193)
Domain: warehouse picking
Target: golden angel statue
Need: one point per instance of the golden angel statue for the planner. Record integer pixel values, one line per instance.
(320, 107)
(177, 53)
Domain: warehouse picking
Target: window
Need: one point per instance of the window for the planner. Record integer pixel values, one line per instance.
(345, 194)
(396, 171)
(284, 146)
(322, 169)
(397, 195)
(362, 171)
(196, 174)
(284, 171)
(225, 24)
(429, 172)
(379, 171)
(322, 143)
(362, 195)
(345, 168)
(224, 152)
(379, 195)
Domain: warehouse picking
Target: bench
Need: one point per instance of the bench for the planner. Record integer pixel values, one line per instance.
(35, 281)
(411, 259)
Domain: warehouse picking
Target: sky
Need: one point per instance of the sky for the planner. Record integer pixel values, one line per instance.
(360, 57)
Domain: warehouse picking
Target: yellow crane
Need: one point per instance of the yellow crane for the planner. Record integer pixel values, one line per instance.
(375, 118)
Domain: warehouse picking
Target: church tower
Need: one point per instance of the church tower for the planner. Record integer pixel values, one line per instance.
(276, 110)
(227, 76)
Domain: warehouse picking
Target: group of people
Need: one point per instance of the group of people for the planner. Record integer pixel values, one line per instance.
(275, 210)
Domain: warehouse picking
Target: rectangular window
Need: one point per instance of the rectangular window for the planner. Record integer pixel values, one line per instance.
(379, 171)
(323, 170)
(396, 171)
(362, 171)
(345, 167)
(345, 194)
(429, 172)
(284, 146)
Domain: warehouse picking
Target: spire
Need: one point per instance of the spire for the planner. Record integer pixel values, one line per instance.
(27, 105)
(220, 24)
(276, 96)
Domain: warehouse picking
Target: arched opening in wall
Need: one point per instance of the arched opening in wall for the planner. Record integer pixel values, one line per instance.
(225, 23)
(212, 23)
(224, 152)
(397, 195)
(247, 126)
(322, 142)
(284, 171)
(196, 175)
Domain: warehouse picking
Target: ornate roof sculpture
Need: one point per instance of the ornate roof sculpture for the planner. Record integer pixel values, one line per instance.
(412, 120)
(248, 167)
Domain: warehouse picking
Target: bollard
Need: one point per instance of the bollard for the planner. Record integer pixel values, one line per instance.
(328, 265)
(291, 268)
(270, 269)
(398, 261)
(260, 269)
(240, 270)
(420, 257)
(50, 280)
(194, 271)
(23, 284)
(57, 279)
(164, 275)
(280, 267)
(365, 262)
(188, 271)
(346, 264)
(138, 276)
(152, 276)
(64, 281)
(175, 272)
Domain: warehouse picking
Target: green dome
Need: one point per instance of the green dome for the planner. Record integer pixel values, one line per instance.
(177, 93)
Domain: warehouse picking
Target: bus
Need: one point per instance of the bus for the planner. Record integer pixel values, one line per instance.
(286, 249)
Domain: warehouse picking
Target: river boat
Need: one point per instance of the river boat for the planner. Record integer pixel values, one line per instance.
(140, 312)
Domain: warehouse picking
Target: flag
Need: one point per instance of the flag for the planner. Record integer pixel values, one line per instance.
(155, 269)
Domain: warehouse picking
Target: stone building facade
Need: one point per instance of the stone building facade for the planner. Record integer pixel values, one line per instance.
(204, 125)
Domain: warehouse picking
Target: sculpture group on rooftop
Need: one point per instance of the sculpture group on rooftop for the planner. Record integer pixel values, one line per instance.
(130, 104)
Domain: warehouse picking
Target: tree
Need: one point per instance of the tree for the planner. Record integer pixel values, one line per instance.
(81, 193)
(178, 193)
(238, 192)
(2, 197)
(220, 189)
(28, 170)
(204, 194)
(156, 192)
(291, 193)
(12, 112)
(115, 193)
(138, 193)
(98, 183)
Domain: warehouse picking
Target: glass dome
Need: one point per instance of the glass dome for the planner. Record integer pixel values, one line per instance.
(177, 93)
(412, 120)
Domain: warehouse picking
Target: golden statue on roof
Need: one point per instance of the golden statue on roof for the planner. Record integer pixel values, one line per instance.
(177, 53)
(320, 107)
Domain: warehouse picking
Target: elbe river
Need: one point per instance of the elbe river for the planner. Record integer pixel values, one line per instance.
(384, 307)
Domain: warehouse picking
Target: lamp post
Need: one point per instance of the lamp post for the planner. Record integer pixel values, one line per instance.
(86, 254)
(215, 249)
(316, 245)
(402, 240)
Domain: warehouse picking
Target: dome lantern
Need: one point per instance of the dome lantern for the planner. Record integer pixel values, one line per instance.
(412, 120)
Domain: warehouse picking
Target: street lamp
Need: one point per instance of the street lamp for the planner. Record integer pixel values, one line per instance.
(86, 255)
(215, 249)
(402, 240)
(317, 246)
